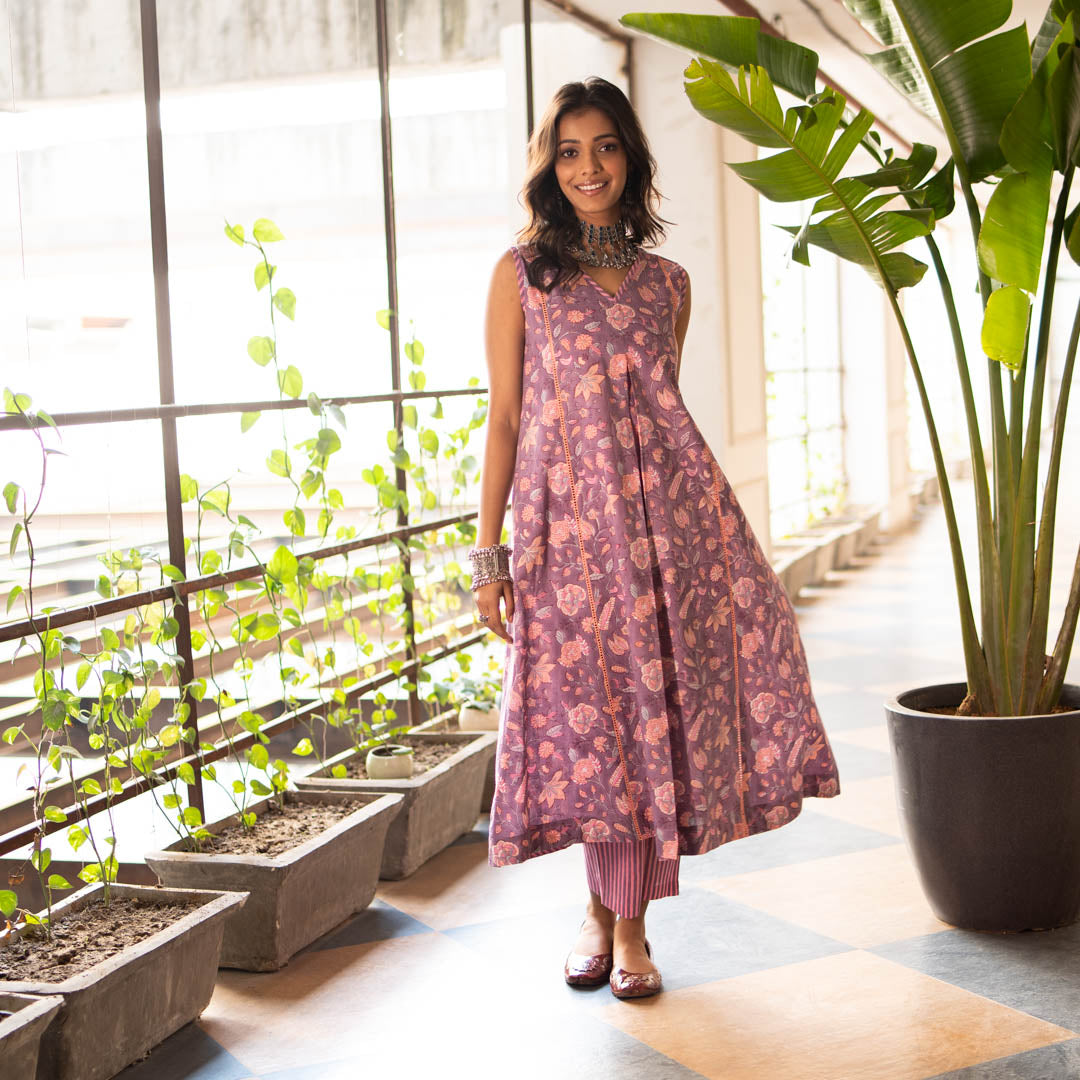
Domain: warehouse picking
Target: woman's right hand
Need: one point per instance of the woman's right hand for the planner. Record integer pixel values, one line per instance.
(493, 600)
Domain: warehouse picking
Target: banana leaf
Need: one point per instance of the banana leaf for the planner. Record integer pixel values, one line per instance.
(736, 41)
(858, 228)
(939, 56)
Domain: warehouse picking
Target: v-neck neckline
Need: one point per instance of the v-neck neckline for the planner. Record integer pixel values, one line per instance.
(613, 297)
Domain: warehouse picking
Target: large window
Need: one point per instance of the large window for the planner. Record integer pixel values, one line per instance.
(386, 140)
(804, 377)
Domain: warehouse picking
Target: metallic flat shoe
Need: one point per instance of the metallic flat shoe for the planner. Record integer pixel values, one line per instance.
(582, 970)
(635, 984)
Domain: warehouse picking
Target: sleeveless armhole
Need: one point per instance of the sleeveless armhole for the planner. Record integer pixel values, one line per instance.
(522, 280)
(679, 277)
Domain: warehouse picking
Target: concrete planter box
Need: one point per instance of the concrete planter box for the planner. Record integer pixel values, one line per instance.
(119, 1009)
(440, 804)
(452, 722)
(20, 1033)
(294, 897)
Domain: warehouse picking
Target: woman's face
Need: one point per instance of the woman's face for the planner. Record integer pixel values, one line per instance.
(590, 165)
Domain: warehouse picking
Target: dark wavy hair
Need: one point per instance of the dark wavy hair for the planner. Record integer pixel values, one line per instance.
(553, 225)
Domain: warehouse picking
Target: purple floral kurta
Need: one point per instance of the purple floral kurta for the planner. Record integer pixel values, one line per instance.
(656, 685)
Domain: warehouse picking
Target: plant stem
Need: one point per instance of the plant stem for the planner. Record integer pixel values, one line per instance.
(974, 659)
(1040, 693)
(1023, 536)
(990, 584)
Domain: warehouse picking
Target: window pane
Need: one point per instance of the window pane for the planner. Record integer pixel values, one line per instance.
(804, 389)
(275, 118)
(457, 107)
(77, 318)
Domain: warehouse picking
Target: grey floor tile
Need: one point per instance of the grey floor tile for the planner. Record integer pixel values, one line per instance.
(569, 1043)
(1058, 1062)
(859, 762)
(886, 667)
(377, 922)
(809, 836)
(696, 937)
(1037, 972)
(190, 1054)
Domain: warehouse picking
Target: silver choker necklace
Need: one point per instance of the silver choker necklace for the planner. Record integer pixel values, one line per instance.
(604, 245)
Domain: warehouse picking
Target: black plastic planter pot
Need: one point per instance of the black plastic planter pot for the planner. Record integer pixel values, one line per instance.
(990, 808)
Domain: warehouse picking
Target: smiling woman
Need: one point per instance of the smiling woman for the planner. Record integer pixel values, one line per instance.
(656, 701)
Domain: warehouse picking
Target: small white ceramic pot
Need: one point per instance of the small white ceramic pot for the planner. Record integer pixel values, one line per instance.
(471, 718)
(391, 761)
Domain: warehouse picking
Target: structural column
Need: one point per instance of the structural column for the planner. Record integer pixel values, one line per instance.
(715, 235)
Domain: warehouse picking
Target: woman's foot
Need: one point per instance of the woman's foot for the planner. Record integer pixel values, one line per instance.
(589, 962)
(633, 973)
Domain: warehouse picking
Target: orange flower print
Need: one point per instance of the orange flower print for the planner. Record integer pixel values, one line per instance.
(743, 591)
(765, 758)
(550, 412)
(616, 365)
(595, 831)
(639, 552)
(582, 717)
(630, 485)
(551, 835)
(570, 598)
(828, 788)
(554, 790)
(532, 297)
(527, 512)
(546, 749)
(665, 398)
(528, 557)
(779, 814)
(655, 729)
(665, 798)
(645, 430)
(585, 769)
(576, 316)
(590, 383)
(503, 851)
(644, 606)
(583, 342)
(561, 530)
(762, 705)
(652, 675)
(624, 432)
(572, 651)
(619, 316)
(751, 642)
(559, 478)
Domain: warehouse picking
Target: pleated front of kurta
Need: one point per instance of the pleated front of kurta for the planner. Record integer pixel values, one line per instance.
(656, 685)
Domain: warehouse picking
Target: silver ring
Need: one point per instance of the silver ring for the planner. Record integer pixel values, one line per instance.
(483, 618)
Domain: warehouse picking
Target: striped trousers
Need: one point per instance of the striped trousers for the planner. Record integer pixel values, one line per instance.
(626, 874)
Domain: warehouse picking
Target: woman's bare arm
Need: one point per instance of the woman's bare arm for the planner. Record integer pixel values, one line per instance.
(681, 323)
(505, 344)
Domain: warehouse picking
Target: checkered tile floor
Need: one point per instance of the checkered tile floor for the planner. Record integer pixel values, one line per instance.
(807, 953)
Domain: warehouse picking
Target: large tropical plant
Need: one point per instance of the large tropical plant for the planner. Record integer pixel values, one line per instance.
(1010, 111)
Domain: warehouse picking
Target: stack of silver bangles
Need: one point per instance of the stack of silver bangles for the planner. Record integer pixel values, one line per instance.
(490, 564)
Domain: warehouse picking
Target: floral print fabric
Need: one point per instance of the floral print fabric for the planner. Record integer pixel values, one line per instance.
(656, 685)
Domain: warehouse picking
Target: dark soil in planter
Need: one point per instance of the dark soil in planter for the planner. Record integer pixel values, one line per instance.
(85, 937)
(276, 830)
(426, 756)
(950, 710)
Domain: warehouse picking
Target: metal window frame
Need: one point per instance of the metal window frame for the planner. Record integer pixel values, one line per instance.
(167, 412)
